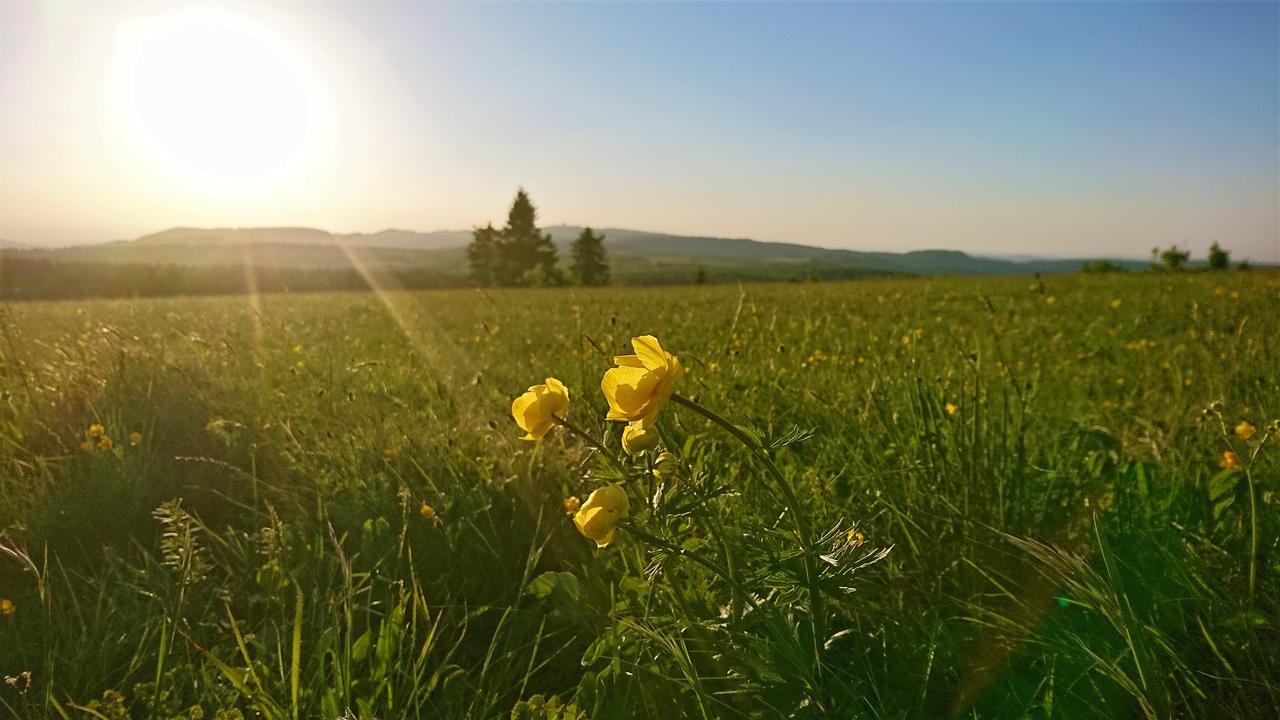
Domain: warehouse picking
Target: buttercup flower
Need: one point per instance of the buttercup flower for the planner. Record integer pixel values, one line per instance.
(536, 410)
(638, 437)
(105, 442)
(135, 437)
(427, 512)
(1230, 460)
(1245, 430)
(952, 409)
(389, 453)
(7, 608)
(665, 466)
(96, 429)
(599, 516)
(642, 383)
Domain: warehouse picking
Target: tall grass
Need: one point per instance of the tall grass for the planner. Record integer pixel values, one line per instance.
(1006, 500)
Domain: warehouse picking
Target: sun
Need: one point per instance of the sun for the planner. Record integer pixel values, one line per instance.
(213, 99)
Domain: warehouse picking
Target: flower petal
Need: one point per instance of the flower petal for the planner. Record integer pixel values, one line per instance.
(650, 352)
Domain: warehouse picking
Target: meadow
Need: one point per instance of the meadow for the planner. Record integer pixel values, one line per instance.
(887, 498)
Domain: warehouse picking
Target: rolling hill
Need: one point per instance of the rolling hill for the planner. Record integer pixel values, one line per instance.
(637, 255)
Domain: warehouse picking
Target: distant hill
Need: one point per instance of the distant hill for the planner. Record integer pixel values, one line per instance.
(406, 239)
(635, 253)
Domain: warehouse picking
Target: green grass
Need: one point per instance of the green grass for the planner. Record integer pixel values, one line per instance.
(1065, 545)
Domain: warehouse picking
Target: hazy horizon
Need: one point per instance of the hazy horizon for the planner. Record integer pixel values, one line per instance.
(1051, 130)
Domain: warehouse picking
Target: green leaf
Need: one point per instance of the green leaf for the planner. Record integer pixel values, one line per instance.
(1223, 483)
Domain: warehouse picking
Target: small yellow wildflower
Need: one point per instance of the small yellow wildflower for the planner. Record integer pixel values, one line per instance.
(1115, 304)
(1230, 460)
(571, 505)
(1050, 300)
(96, 429)
(7, 608)
(537, 409)
(86, 446)
(427, 512)
(599, 516)
(1245, 430)
(135, 437)
(952, 409)
(105, 442)
(638, 437)
(855, 538)
(390, 453)
(642, 383)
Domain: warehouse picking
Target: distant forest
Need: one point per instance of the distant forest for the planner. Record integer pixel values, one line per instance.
(32, 278)
(37, 279)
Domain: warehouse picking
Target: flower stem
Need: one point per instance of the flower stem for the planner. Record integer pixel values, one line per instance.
(595, 444)
(758, 450)
(684, 553)
(803, 529)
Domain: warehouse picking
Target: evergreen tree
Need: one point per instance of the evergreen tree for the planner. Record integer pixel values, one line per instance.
(1219, 259)
(590, 260)
(528, 256)
(485, 255)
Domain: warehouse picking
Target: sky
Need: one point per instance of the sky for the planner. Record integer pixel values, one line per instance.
(1053, 129)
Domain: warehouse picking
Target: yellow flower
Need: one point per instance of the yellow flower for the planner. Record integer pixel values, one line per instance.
(96, 429)
(642, 383)
(599, 516)
(638, 437)
(427, 512)
(665, 466)
(7, 608)
(536, 410)
(104, 442)
(1115, 304)
(1245, 430)
(952, 409)
(1230, 460)
(135, 437)
(86, 446)
(571, 505)
(1051, 300)
(389, 453)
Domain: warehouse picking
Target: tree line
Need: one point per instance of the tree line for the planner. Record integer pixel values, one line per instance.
(1173, 258)
(1176, 258)
(520, 254)
(31, 278)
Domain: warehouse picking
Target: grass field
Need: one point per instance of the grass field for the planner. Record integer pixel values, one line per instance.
(1043, 463)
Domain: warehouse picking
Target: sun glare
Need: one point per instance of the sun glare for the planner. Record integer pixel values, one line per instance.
(215, 100)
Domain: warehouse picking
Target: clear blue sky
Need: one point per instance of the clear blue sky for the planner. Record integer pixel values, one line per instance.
(1041, 128)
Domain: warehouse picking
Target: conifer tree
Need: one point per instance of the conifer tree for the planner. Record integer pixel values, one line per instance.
(485, 255)
(590, 260)
(528, 256)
